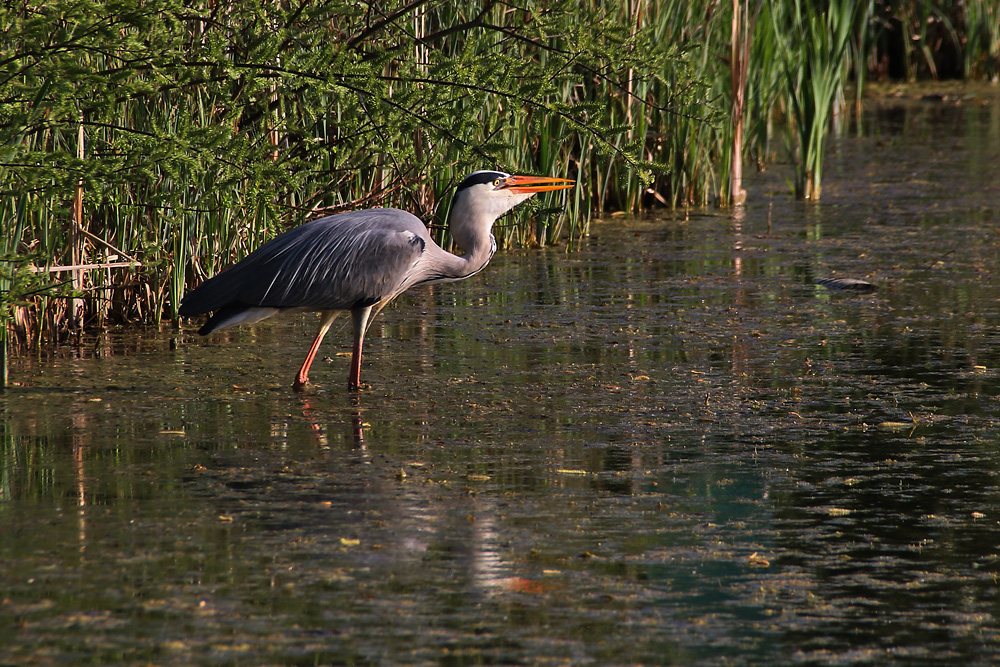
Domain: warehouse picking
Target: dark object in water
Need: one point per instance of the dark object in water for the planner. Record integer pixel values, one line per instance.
(848, 284)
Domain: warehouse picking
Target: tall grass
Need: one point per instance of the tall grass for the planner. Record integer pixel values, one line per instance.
(209, 127)
(815, 46)
(937, 39)
(980, 24)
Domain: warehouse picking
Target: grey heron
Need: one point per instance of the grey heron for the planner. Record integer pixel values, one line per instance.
(359, 261)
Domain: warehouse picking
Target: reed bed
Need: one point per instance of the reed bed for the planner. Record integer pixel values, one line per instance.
(148, 145)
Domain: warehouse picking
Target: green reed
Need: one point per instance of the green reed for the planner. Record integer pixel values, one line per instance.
(981, 55)
(210, 128)
(814, 47)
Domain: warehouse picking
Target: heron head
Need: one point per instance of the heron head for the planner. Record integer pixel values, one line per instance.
(492, 193)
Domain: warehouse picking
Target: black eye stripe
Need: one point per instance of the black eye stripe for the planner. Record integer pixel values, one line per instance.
(481, 178)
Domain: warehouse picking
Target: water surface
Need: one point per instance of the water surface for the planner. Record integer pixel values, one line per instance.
(667, 447)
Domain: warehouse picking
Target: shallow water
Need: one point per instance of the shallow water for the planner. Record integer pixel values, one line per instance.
(667, 447)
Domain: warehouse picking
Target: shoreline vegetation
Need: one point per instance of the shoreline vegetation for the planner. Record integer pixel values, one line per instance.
(148, 145)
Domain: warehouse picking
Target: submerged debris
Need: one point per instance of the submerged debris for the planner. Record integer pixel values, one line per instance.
(848, 284)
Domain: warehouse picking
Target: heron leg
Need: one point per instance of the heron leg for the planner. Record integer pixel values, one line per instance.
(302, 379)
(361, 317)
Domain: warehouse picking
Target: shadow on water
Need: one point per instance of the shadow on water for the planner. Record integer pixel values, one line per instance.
(669, 447)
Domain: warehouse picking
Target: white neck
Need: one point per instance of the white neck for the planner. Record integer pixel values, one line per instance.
(473, 213)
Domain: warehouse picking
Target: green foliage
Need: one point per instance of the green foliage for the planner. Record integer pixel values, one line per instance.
(20, 282)
(20, 285)
(209, 127)
(814, 47)
(981, 55)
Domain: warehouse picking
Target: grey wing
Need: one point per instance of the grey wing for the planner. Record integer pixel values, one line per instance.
(340, 262)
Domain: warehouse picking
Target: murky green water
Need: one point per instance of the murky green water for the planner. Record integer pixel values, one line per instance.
(669, 447)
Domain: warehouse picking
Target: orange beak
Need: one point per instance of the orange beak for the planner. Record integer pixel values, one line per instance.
(529, 184)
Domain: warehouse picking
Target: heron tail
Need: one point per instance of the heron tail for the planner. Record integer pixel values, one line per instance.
(236, 313)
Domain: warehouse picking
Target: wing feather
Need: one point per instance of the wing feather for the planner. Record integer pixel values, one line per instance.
(334, 263)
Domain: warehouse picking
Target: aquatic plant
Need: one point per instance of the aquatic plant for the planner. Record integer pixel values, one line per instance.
(814, 45)
(980, 23)
(937, 39)
(211, 127)
(150, 144)
(22, 284)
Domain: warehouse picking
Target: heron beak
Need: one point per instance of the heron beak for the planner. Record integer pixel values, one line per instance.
(531, 184)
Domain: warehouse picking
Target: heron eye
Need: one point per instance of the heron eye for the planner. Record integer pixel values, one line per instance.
(497, 183)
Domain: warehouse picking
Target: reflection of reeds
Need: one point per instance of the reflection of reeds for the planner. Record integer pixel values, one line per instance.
(208, 133)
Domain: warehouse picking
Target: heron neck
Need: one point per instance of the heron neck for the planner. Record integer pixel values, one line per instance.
(474, 238)
(474, 259)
